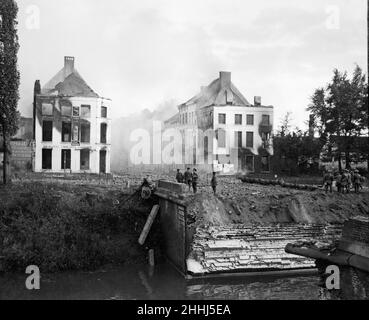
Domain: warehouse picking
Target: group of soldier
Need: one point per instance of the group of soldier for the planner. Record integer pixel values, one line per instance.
(191, 179)
(344, 180)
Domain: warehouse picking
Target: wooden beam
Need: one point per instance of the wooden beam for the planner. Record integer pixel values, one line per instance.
(148, 224)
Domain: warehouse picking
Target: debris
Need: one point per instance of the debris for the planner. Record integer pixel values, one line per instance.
(149, 222)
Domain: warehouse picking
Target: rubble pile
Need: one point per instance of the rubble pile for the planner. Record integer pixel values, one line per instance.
(238, 202)
(247, 226)
(239, 247)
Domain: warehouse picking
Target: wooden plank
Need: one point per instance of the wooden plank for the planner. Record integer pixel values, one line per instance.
(148, 224)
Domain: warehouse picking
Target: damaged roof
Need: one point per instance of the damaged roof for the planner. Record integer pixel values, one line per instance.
(68, 82)
(219, 92)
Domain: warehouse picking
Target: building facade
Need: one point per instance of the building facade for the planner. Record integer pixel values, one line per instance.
(72, 125)
(237, 133)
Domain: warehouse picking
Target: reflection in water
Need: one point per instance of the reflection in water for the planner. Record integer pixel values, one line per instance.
(163, 282)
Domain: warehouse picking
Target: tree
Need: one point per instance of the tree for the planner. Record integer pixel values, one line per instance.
(296, 151)
(338, 110)
(285, 125)
(9, 79)
(318, 108)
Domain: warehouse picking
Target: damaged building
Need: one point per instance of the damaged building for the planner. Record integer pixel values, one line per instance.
(242, 131)
(71, 125)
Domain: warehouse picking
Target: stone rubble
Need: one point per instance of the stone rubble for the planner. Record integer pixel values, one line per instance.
(239, 247)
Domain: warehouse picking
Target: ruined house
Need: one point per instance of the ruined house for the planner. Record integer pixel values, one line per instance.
(71, 125)
(235, 134)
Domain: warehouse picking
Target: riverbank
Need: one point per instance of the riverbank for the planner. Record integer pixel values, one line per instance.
(84, 222)
(65, 226)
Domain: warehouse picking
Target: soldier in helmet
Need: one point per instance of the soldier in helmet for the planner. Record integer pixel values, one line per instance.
(179, 176)
(188, 178)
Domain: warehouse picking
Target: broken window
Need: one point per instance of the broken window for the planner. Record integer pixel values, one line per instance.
(85, 111)
(47, 109)
(75, 132)
(265, 163)
(249, 139)
(250, 163)
(104, 112)
(65, 159)
(66, 131)
(85, 159)
(222, 118)
(221, 137)
(75, 111)
(46, 159)
(265, 119)
(47, 130)
(265, 136)
(238, 119)
(238, 139)
(85, 132)
(103, 129)
(250, 119)
(66, 111)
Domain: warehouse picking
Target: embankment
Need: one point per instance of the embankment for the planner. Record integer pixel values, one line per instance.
(61, 226)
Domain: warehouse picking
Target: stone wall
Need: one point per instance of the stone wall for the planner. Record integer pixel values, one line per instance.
(249, 248)
(22, 152)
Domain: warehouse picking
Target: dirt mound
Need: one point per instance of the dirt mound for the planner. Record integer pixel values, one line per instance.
(243, 203)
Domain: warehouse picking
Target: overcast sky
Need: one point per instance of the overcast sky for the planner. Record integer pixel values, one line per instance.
(142, 53)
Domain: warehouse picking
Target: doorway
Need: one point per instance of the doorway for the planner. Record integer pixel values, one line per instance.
(66, 159)
(102, 161)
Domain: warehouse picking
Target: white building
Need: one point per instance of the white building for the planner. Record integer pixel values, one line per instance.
(237, 125)
(72, 125)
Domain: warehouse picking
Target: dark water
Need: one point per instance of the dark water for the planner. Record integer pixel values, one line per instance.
(163, 282)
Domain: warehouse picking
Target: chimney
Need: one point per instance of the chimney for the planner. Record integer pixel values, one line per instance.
(225, 79)
(68, 66)
(257, 101)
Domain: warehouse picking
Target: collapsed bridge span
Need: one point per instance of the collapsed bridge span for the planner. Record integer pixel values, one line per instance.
(200, 236)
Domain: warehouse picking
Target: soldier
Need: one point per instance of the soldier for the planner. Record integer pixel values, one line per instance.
(344, 181)
(188, 178)
(357, 181)
(349, 181)
(179, 176)
(327, 181)
(338, 181)
(195, 178)
(214, 182)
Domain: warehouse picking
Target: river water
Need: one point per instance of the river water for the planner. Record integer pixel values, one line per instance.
(162, 282)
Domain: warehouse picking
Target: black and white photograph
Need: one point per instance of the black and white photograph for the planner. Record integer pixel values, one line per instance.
(175, 153)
